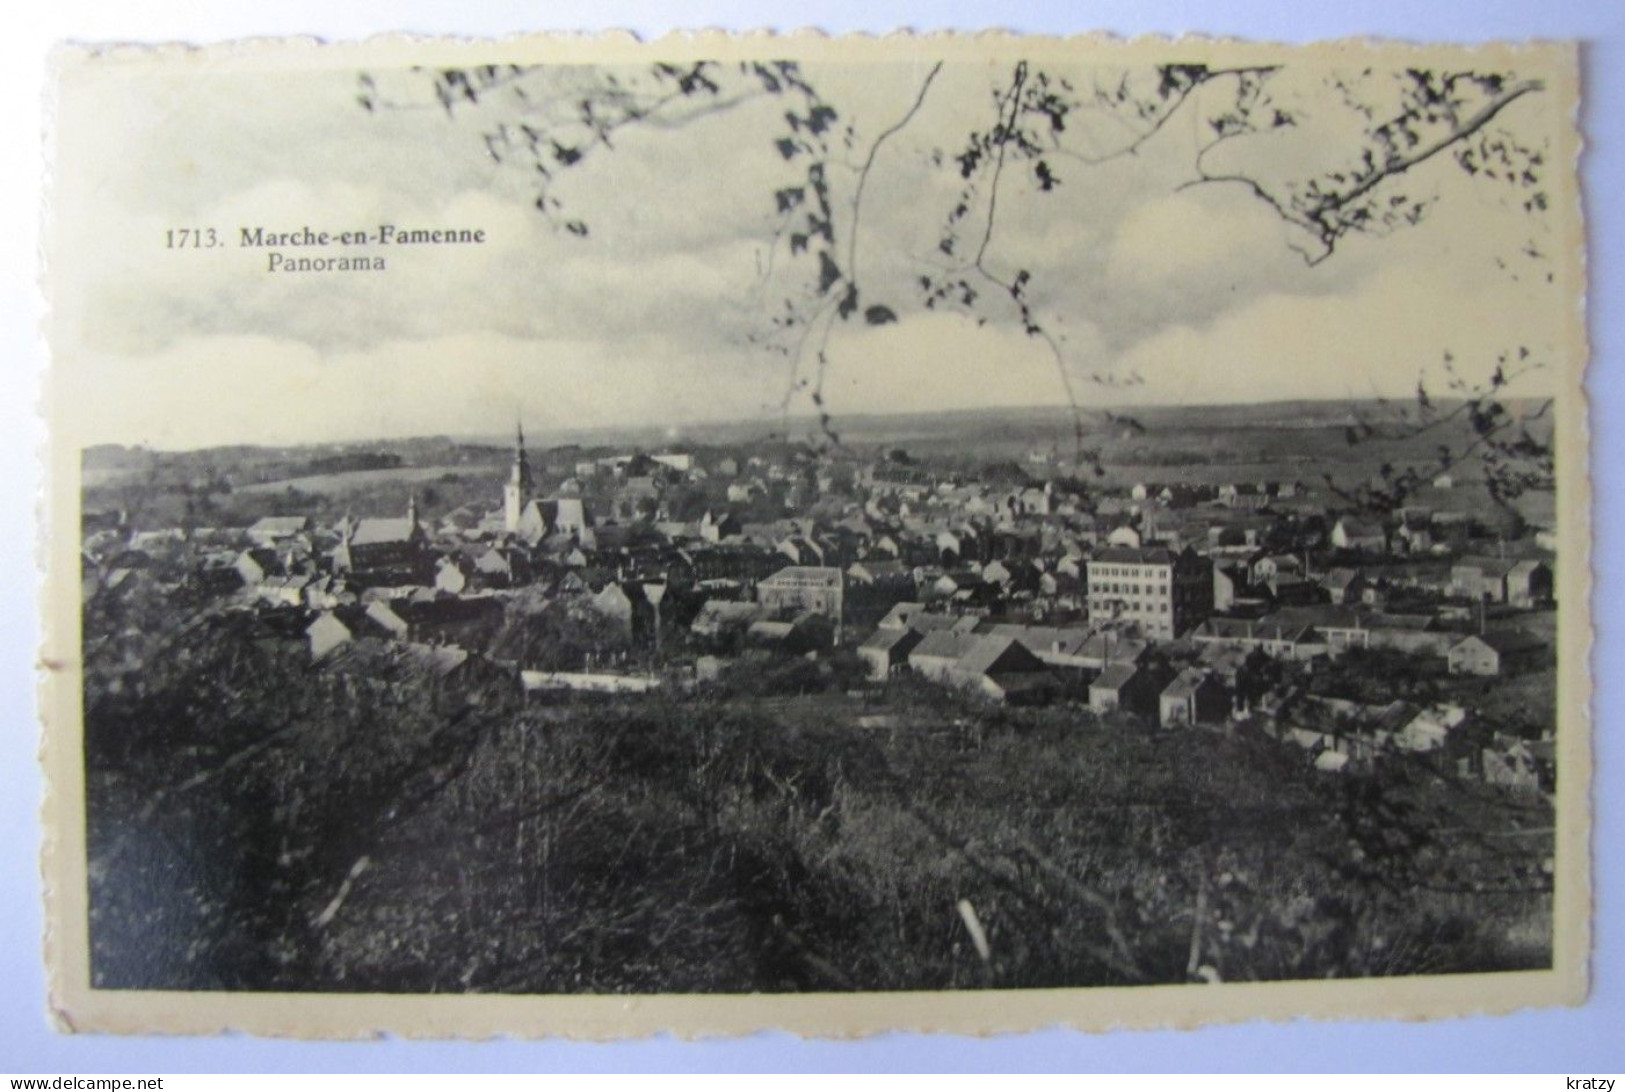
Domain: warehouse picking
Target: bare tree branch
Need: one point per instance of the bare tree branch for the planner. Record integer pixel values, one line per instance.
(868, 166)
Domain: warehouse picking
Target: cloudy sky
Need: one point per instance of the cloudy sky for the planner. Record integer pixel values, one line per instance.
(1158, 294)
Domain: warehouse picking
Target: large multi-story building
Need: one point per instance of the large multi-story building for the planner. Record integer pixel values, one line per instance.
(1163, 592)
(798, 588)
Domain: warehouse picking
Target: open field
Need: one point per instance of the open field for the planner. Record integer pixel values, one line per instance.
(354, 480)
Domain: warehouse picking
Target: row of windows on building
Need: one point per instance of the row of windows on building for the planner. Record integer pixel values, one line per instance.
(1149, 608)
(1135, 589)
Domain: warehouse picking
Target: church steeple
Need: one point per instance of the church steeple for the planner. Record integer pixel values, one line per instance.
(516, 493)
(521, 465)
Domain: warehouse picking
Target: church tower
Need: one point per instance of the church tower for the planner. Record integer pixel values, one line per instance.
(516, 493)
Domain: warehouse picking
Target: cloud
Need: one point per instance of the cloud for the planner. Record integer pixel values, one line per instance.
(1377, 340)
(1192, 238)
(203, 391)
(944, 361)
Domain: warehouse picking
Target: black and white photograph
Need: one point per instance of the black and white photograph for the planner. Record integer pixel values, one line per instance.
(788, 522)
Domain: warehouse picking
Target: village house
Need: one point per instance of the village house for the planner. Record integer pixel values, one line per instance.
(807, 632)
(626, 605)
(1358, 536)
(997, 572)
(1413, 537)
(273, 530)
(500, 568)
(431, 619)
(1481, 578)
(1530, 584)
(1194, 697)
(1124, 535)
(1111, 690)
(1342, 586)
(284, 590)
(1281, 638)
(1057, 647)
(906, 614)
(801, 551)
(638, 498)
(1517, 582)
(1266, 568)
(1224, 663)
(1523, 764)
(1131, 686)
(1106, 647)
(1237, 532)
(1432, 729)
(384, 551)
(1244, 495)
(715, 528)
(882, 572)
(1229, 586)
(1174, 530)
(799, 588)
(256, 564)
(1338, 628)
(886, 651)
(997, 667)
(454, 574)
(1498, 652)
(682, 462)
(937, 652)
(445, 663)
(1416, 634)
(1342, 733)
(719, 618)
(331, 629)
(345, 624)
(949, 584)
(1003, 669)
(326, 592)
(164, 543)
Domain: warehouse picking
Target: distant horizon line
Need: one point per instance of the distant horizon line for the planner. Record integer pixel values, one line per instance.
(810, 420)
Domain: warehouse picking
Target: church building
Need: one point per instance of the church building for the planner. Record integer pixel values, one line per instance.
(384, 551)
(532, 520)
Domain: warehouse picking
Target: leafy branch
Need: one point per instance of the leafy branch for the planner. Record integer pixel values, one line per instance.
(1437, 113)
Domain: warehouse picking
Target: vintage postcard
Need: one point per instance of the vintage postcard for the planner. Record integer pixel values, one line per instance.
(578, 536)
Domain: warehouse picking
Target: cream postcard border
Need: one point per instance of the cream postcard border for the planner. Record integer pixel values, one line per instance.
(76, 1006)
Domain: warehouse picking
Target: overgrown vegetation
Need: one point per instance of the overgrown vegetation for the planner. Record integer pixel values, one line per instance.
(257, 822)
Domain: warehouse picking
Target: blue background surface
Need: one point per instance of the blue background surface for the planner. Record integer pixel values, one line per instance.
(1588, 1039)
